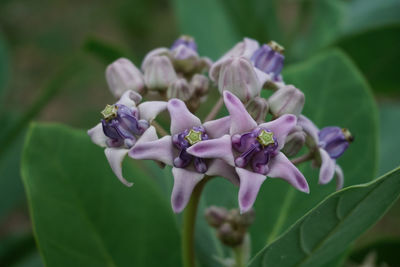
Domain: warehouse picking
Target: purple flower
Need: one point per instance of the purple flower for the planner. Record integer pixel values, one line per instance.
(254, 151)
(186, 130)
(330, 143)
(123, 126)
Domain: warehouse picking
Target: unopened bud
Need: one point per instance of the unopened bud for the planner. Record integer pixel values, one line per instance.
(238, 76)
(185, 40)
(159, 73)
(269, 58)
(180, 89)
(230, 236)
(216, 216)
(287, 100)
(294, 141)
(122, 75)
(258, 108)
(247, 218)
(200, 84)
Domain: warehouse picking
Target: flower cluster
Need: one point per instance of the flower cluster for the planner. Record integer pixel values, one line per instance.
(241, 146)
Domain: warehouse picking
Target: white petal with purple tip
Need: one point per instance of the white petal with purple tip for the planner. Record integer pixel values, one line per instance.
(281, 167)
(281, 127)
(309, 128)
(217, 128)
(130, 99)
(150, 109)
(218, 167)
(159, 150)
(339, 177)
(184, 183)
(97, 135)
(181, 117)
(250, 183)
(327, 170)
(115, 156)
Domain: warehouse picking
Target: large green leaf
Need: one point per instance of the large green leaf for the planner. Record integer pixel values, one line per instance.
(208, 22)
(325, 231)
(83, 216)
(336, 94)
(4, 67)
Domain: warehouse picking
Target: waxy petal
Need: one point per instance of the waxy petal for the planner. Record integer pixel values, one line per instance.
(327, 170)
(263, 77)
(281, 167)
(130, 99)
(309, 128)
(241, 121)
(159, 150)
(250, 183)
(217, 128)
(181, 117)
(150, 109)
(115, 156)
(281, 127)
(339, 177)
(184, 183)
(148, 136)
(156, 52)
(97, 135)
(220, 148)
(218, 167)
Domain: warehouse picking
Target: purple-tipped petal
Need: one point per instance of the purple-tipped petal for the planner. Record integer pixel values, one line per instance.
(97, 135)
(159, 150)
(327, 170)
(130, 99)
(217, 128)
(281, 127)
(220, 148)
(184, 183)
(250, 183)
(309, 128)
(115, 156)
(150, 109)
(281, 167)
(181, 117)
(339, 177)
(241, 121)
(218, 167)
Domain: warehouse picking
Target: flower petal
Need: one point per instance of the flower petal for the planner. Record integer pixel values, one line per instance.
(97, 135)
(220, 148)
(241, 121)
(184, 183)
(149, 135)
(181, 117)
(160, 150)
(327, 170)
(130, 99)
(250, 183)
(281, 167)
(150, 109)
(281, 127)
(217, 128)
(339, 177)
(263, 77)
(309, 128)
(218, 167)
(115, 156)
(155, 52)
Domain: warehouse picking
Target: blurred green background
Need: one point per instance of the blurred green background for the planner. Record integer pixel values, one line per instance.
(53, 56)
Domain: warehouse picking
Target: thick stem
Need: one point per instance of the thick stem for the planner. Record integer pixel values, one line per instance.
(189, 223)
(159, 128)
(239, 256)
(214, 112)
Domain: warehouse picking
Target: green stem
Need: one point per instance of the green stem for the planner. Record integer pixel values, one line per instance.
(189, 223)
(239, 256)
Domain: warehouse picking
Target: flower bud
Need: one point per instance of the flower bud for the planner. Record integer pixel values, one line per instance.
(269, 58)
(186, 41)
(294, 141)
(216, 216)
(180, 89)
(159, 73)
(238, 76)
(122, 75)
(287, 100)
(258, 108)
(335, 140)
(200, 84)
(230, 236)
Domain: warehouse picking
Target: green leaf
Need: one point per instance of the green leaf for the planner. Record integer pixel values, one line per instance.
(325, 231)
(4, 67)
(336, 94)
(385, 250)
(208, 23)
(103, 50)
(83, 216)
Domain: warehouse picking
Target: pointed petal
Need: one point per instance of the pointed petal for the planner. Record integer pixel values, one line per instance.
(218, 167)
(149, 135)
(115, 156)
(339, 177)
(217, 128)
(130, 99)
(181, 117)
(281, 127)
(327, 170)
(241, 121)
(160, 150)
(150, 109)
(250, 183)
(309, 128)
(281, 167)
(220, 148)
(97, 135)
(184, 183)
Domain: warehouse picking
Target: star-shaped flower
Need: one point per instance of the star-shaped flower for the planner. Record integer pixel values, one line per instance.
(254, 151)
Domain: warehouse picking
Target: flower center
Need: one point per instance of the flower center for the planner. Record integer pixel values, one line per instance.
(256, 148)
(276, 47)
(109, 112)
(193, 137)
